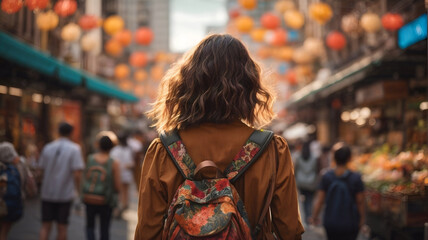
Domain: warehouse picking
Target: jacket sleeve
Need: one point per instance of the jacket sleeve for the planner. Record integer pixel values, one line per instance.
(285, 207)
(152, 200)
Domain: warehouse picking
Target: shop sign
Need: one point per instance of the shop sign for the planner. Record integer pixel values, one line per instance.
(413, 32)
(382, 91)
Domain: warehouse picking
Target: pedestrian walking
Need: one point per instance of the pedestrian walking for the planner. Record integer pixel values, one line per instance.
(100, 186)
(208, 110)
(123, 154)
(306, 170)
(62, 164)
(342, 191)
(11, 205)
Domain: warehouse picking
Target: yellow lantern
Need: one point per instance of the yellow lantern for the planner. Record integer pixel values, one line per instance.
(258, 34)
(283, 6)
(47, 21)
(140, 75)
(126, 85)
(244, 24)
(113, 47)
(284, 53)
(121, 71)
(320, 12)
(371, 22)
(349, 24)
(89, 42)
(302, 56)
(113, 24)
(70, 32)
(248, 4)
(157, 72)
(294, 19)
(314, 46)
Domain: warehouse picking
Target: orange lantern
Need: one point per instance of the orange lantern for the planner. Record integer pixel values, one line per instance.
(294, 19)
(304, 70)
(277, 38)
(283, 6)
(47, 20)
(140, 75)
(138, 59)
(336, 40)
(65, 8)
(270, 21)
(157, 72)
(248, 4)
(264, 52)
(124, 37)
(121, 71)
(113, 47)
(126, 85)
(291, 77)
(320, 12)
(113, 24)
(144, 36)
(88, 22)
(36, 4)
(392, 21)
(161, 57)
(370, 22)
(284, 53)
(234, 13)
(139, 90)
(258, 34)
(244, 24)
(11, 6)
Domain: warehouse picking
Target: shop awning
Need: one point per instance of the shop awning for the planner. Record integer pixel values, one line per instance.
(27, 56)
(339, 80)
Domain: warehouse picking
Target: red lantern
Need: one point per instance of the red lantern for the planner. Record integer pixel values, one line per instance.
(11, 6)
(124, 37)
(270, 21)
(88, 22)
(234, 13)
(144, 36)
(291, 77)
(392, 21)
(36, 4)
(65, 8)
(336, 40)
(138, 59)
(278, 38)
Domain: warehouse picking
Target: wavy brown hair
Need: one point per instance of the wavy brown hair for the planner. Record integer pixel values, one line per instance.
(216, 82)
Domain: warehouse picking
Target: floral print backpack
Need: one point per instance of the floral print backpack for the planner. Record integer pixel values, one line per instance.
(210, 208)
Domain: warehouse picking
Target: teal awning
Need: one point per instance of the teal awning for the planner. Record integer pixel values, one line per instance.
(27, 56)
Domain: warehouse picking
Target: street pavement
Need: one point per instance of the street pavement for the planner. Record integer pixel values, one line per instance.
(121, 229)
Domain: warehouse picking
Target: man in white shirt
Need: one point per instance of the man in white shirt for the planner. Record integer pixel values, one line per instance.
(62, 164)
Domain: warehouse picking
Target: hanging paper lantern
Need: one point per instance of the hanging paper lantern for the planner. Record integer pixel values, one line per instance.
(157, 72)
(258, 34)
(294, 19)
(144, 36)
(264, 52)
(139, 90)
(140, 75)
(320, 12)
(244, 24)
(336, 40)
(11, 6)
(88, 22)
(234, 13)
(392, 21)
(126, 85)
(70, 32)
(284, 53)
(121, 71)
(113, 24)
(291, 77)
(36, 4)
(314, 46)
(284, 6)
(248, 4)
(370, 22)
(138, 59)
(65, 8)
(302, 56)
(304, 70)
(276, 38)
(47, 21)
(350, 23)
(124, 37)
(89, 42)
(113, 47)
(270, 21)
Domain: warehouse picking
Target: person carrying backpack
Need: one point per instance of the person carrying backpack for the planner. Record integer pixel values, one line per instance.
(343, 193)
(11, 204)
(101, 183)
(212, 174)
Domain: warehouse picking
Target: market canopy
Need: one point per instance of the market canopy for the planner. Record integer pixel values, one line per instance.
(27, 56)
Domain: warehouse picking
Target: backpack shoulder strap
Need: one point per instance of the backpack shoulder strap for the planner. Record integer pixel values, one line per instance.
(177, 151)
(248, 154)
